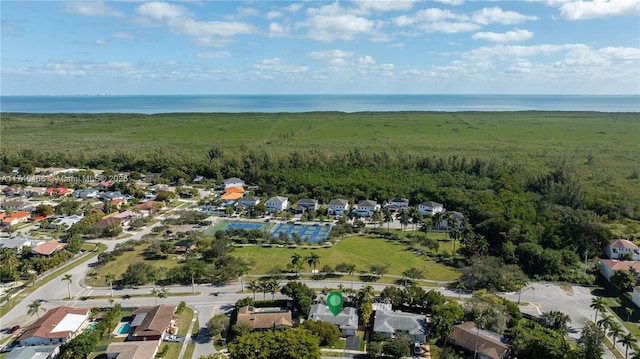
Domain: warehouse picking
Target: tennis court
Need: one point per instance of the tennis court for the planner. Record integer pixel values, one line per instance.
(314, 233)
(244, 225)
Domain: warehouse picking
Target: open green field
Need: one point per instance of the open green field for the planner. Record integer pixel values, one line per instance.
(362, 251)
(531, 133)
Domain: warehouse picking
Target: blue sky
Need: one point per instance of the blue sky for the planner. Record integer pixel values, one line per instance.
(308, 47)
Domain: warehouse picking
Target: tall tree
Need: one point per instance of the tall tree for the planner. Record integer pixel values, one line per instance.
(296, 261)
(313, 260)
(67, 278)
(628, 340)
(592, 341)
(597, 303)
(388, 218)
(35, 307)
(555, 320)
(253, 286)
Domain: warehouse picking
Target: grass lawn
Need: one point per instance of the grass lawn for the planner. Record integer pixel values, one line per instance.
(363, 251)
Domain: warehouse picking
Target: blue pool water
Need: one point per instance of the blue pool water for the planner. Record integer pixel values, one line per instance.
(91, 326)
(124, 328)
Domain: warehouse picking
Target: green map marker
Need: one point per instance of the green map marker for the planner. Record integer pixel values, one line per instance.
(335, 302)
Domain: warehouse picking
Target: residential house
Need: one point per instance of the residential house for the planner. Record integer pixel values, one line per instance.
(151, 323)
(276, 204)
(17, 206)
(67, 222)
(14, 218)
(489, 344)
(622, 249)
(265, 318)
(118, 202)
(609, 266)
(346, 320)
(104, 185)
(365, 208)
(306, 204)
(48, 248)
(111, 195)
(86, 193)
(58, 191)
(148, 208)
(232, 194)
(249, 201)
(389, 323)
(13, 191)
(338, 207)
(19, 243)
(430, 208)
(397, 204)
(104, 223)
(35, 352)
(162, 188)
(132, 350)
(635, 296)
(31, 191)
(184, 247)
(57, 325)
(232, 182)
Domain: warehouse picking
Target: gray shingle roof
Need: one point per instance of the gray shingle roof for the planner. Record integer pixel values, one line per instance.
(346, 319)
(391, 322)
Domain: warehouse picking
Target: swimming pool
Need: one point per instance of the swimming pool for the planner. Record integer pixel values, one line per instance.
(123, 328)
(91, 326)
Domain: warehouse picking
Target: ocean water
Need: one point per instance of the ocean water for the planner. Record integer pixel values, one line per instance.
(150, 104)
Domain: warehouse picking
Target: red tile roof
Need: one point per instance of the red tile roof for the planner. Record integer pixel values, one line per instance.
(43, 326)
(615, 265)
(47, 248)
(623, 243)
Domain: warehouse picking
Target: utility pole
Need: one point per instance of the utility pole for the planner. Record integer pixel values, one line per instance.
(586, 254)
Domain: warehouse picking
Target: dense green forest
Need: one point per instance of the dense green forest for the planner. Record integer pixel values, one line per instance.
(540, 187)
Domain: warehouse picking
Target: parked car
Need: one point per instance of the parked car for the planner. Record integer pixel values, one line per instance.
(14, 329)
(173, 338)
(416, 348)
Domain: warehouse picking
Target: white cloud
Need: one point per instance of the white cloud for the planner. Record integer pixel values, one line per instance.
(437, 20)
(451, 2)
(293, 8)
(213, 54)
(180, 21)
(101, 42)
(90, 8)
(273, 15)
(277, 30)
(327, 28)
(495, 15)
(269, 69)
(329, 54)
(384, 5)
(579, 10)
(509, 36)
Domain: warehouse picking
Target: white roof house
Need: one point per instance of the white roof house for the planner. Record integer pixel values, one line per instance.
(232, 182)
(430, 208)
(365, 208)
(58, 325)
(621, 248)
(276, 204)
(338, 207)
(389, 323)
(346, 320)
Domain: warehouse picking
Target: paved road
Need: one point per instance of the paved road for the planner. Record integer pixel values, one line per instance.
(573, 300)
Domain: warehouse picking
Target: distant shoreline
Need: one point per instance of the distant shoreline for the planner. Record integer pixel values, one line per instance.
(175, 104)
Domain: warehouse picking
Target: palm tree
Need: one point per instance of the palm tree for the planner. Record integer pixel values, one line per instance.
(615, 329)
(605, 322)
(155, 292)
(35, 307)
(296, 260)
(350, 269)
(313, 260)
(274, 285)
(460, 287)
(388, 218)
(404, 220)
(110, 277)
(454, 233)
(416, 217)
(437, 219)
(555, 320)
(365, 294)
(426, 226)
(264, 285)
(629, 313)
(376, 217)
(597, 303)
(627, 340)
(253, 286)
(67, 278)
(163, 293)
(480, 321)
(242, 270)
